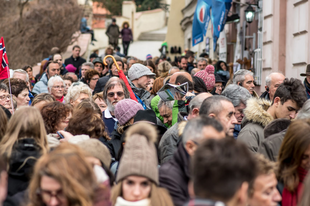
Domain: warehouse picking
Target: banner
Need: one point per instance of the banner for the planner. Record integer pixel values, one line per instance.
(222, 47)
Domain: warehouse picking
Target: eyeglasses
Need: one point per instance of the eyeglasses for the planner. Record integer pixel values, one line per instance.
(58, 87)
(3, 97)
(111, 94)
(47, 195)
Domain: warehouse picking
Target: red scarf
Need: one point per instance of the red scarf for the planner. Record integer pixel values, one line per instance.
(61, 100)
(292, 199)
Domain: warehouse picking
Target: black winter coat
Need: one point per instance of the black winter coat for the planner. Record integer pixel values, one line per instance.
(75, 62)
(102, 82)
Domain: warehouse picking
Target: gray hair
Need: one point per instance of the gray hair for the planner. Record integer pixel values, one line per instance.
(174, 67)
(75, 90)
(239, 76)
(196, 102)
(268, 78)
(201, 59)
(131, 58)
(212, 105)
(236, 94)
(168, 104)
(193, 128)
(22, 72)
(111, 84)
(54, 79)
(304, 112)
(89, 64)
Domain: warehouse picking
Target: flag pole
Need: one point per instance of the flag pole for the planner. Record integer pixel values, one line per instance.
(8, 70)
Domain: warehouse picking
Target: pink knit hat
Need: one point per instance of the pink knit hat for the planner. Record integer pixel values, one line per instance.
(207, 76)
(126, 109)
(70, 68)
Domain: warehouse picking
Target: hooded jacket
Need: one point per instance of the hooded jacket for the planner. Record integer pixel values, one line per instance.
(41, 86)
(253, 124)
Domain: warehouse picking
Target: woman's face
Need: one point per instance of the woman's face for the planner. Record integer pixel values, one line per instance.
(23, 99)
(223, 66)
(29, 72)
(136, 188)
(305, 160)
(126, 26)
(101, 104)
(93, 81)
(151, 68)
(64, 122)
(51, 192)
(150, 85)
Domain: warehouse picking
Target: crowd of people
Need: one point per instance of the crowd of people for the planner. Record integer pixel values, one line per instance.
(80, 133)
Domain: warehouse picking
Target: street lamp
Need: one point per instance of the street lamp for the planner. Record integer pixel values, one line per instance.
(249, 14)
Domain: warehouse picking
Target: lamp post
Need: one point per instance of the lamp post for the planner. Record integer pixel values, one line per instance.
(249, 14)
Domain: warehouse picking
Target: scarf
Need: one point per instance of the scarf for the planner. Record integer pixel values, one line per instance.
(291, 199)
(121, 202)
(61, 100)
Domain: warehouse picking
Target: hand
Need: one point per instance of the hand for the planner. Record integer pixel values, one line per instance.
(67, 135)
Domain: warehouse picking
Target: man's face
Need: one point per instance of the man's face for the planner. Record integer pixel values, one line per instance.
(219, 87)
(53, 69)
(276, 80)
(98, 67)
(68, 83)
(249, 83)
(183, 64)
(5, 99)
(227, 117)
(265, 191)
(57, 58)
(288, 110)
(143, 82)
(166, 113)
(93, 81)
(308, 78)
(76, 52)
(114, 95)
(57, 90)
(239, 112)
(84, 69)
(114, 68)
(201, 65)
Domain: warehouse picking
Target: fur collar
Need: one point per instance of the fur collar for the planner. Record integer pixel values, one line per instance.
(256, 111)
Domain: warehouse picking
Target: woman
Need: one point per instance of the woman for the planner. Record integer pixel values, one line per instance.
(163, 69)
(294, 161)
(150, 64)
(41, 100)
(20, 91)
(23, 143)
(65, 177)
(91, 78)
(77, 92)
(88, 104)
(68, 82)
(32, 80)
(150, 85)
(305, 199)
(126, 37)
(98, 99)
(223, 71)
(139, 184)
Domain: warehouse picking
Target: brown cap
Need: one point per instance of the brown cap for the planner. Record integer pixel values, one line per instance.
(307, 71)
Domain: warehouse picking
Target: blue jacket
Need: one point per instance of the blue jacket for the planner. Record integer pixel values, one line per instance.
(41, 86)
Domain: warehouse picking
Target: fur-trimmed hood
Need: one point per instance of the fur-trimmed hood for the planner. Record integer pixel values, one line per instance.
(256, 112)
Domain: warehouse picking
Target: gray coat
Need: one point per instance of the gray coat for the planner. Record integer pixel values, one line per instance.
(41, 86)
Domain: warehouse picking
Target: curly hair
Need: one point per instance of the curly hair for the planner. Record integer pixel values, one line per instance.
(87, 121)
(17, 86)
(89, 74)
(88, 104)
(53, 113)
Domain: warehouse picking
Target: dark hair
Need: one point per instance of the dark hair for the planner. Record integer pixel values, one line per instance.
(217, 163)
(89, 104)
(53, 113)
(17, 86)
(212, 105)
(76, 46)
(67, 77)
(150, 63)
(55, 55)
(182, 57)
(89, 74)
(48, 64)
(291, 89)
(3, 87)
(158, 83)
(26, 67)
(199, 85)
(189, 53)
(4, 122)
(182, 79)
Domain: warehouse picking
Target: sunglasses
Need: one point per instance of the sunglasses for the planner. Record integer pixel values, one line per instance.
(119, 94)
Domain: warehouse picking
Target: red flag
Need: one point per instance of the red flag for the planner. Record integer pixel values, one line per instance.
(4, 68)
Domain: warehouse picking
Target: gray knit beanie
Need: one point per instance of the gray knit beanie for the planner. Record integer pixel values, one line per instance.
(139, 157)
(139, 70)
(126, 109)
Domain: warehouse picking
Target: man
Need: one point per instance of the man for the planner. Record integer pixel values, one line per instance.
(307, 80)
(173, 70)
(201, 63)
(52, 69)
(190, 61)
(56, 87)
(273, 81)
(5, 98)
(140, 77)
(165, 110)
(118, 52)
(264, 190)
(183, 63)
(58, 58)
(113, 33)
(23, 75)
(174, 175)
(113, 72)
(238, 96)
(75, 59)
(194, 71)
(218, 86)
(85, 66)
(219, 177)
(221, 109)
(168, 143)
(288, 99)
(114, 91)
(245, 79)
(99, 66)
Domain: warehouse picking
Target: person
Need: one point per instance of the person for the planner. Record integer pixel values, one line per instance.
(23, 143)
(65, 177)
(294, 159)
(114, 91)
(75, 58)
(199, 86)
(190, 61)
(85, 66)
(223, 71)
(288, 99)
(165, 111)
(211, 159)
(264, 190)
(131, 61)
(56, 87)
(139, 185)
(239, 97)
(99, 100)
(20, 91)
(173, 70)
(73, 76)
(163, 69)
(68, 82)
(273, 81)
(304, 201)
(4, 122)
(113, 33)
(5, 97)
(183, 63)
(32, 79)
(150, 64)
(23, 75)
(86, 29)
(70, 68)
(125, 111)
(140, 77)
(77, 92)
(218, 86)
(174, 175)
(113, 72)
(245, 78)
(41, 100)
(201, 63)
(52, 69)
(99, 66)
(222, 109)
(307, 80)
(91, 78)
(207, 75)
(58, 58)
(3, 181)
(168, 143)
(126, 37)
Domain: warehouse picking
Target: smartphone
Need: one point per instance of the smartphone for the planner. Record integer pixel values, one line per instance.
(60, 135)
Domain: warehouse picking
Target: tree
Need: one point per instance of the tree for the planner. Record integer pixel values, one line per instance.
(31, 29)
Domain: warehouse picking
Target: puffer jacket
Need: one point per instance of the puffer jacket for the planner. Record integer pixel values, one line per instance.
(253, 124)
(41, 86)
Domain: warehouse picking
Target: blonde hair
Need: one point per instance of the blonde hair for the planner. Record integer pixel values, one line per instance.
(75, 90)
(26, 122)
